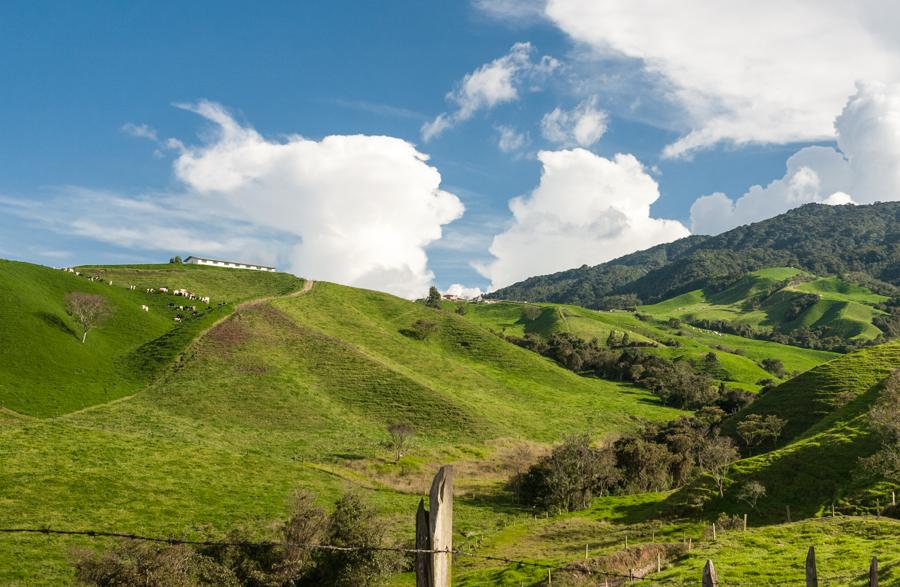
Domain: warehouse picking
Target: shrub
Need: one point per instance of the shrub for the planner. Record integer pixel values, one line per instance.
(420, 329)
(568, 478)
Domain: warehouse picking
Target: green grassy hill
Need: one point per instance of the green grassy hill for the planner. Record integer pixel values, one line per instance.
(293, 391)
(45, 370)
(781, 299)
(739, 357)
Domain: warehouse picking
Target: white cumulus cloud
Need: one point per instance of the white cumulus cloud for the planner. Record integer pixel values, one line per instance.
(358, 210)
(583, 125)
(493, 83)
(363, 208)
(509, 139)
(744, 72)
(864, 169)
(586, 210)
(461, 291)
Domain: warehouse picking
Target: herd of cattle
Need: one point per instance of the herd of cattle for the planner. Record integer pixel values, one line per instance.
(161, 290)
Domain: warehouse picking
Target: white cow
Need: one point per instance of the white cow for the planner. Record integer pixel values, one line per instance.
(145, 307)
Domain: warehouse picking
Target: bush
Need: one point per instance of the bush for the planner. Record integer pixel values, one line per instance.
(239, 562)
(420, 329)
(568, 478)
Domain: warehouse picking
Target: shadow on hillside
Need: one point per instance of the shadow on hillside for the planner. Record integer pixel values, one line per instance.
(54, 321)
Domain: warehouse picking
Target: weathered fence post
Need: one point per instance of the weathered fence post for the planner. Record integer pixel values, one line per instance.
(434, 531)
(709, 575)
(658, 561)
(714, 530)
(812, 578)
(440, 523)
(745, 522)
(788, 510)
(893, 498)
(873, 572)
(423, 542)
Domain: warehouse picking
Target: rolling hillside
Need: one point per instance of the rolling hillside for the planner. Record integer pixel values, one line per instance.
(738, 358)
(824, 240)
(292, 391)
(781, 299)
(45, 370)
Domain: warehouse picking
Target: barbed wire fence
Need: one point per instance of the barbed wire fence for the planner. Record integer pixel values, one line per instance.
(434, 551)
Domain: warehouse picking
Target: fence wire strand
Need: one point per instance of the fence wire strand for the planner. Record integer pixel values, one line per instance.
(824, 580)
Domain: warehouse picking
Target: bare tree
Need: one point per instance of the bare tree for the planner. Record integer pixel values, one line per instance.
(90, 310)
(716, 458)
(752, 492)
(400, 433)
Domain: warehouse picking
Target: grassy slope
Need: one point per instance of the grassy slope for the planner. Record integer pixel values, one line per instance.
(45, 370)
(842, 306)
(219, 283)
(742, 370)
(292, 392)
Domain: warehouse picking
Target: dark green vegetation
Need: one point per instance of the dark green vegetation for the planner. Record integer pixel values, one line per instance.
(738, 361)
(862, 242)
(222, 418)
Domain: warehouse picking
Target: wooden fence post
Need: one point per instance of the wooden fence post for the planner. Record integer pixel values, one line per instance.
(709, 575)
(788, 510)
(873, 572)
(745, 522)
(812, 578)
(434, 531)
(423, 542)
(714, 530)
(440, 523)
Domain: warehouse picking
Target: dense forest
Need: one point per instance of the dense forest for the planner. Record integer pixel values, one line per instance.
(861, 243)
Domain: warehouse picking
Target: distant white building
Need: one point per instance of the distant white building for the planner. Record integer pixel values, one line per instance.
(229, 264)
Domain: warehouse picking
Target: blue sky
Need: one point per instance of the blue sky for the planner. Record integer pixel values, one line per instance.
(75, 74)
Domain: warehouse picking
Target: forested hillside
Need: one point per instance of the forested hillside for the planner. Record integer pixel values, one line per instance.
(858, 242)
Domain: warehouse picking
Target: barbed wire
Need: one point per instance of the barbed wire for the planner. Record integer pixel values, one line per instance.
(569, 567)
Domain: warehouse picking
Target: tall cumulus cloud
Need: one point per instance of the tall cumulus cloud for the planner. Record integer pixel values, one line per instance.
(587, 209)
(865, 168)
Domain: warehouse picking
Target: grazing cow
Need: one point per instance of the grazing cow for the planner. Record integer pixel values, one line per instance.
(177, 319)
(145, 307)
(163, 290)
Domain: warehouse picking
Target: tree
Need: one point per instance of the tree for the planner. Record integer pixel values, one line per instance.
(751, 492)
(755, 429)
(399, 434)
(568, 478)
(774, 366)
(716, 458)
(90, 310)
(530, 312)
(176, 260)
(434, 298)
(354, 523)
(611, 339)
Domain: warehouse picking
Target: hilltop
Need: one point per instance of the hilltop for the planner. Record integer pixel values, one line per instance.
(858, 241)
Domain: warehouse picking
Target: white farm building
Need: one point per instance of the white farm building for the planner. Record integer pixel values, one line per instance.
(230, 264)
